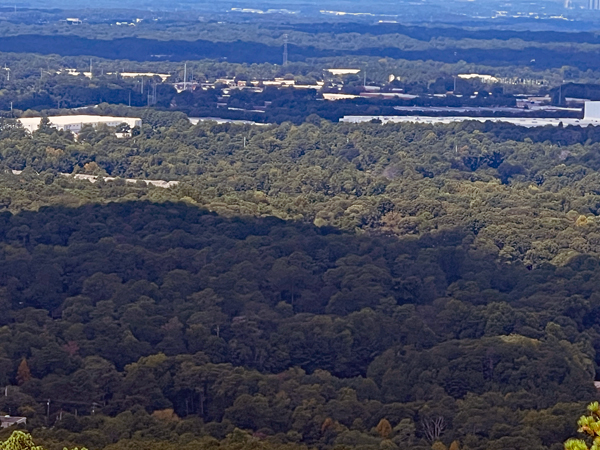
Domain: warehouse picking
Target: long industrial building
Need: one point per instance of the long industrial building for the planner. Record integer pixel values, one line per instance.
(591, 118)
(76, 123)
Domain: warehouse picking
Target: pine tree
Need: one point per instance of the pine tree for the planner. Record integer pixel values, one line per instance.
(23, 373)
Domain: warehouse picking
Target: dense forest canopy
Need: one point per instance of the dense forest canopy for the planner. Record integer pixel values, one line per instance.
(318, 285)
(306, 283)
(288, 330)
(396, 179)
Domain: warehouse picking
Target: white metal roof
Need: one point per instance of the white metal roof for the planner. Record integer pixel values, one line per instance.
(32, 123)
(528, 122)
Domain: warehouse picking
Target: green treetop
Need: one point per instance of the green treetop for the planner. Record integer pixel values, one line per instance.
(590, 425)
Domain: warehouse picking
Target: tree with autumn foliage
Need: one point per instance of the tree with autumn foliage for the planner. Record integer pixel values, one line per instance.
(23, 372)
(384, 428)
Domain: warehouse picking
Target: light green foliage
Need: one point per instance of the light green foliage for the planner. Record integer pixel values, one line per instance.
(19, 440)
(590, 425)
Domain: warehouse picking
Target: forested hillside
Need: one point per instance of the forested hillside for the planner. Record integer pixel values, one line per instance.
(315, 286)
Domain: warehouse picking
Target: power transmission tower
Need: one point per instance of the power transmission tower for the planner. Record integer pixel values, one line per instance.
(285, 49)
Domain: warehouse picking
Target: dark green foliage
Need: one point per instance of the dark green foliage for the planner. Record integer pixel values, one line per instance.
(468, 296)
(275, 327)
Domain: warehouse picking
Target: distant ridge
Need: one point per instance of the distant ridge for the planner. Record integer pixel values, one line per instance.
(141, 49)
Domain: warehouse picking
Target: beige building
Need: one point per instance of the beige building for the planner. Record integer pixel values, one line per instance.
(76, 123)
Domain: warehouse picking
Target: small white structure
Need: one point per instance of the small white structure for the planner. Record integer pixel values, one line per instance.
(343, 71)
(7, 421)
(591, 111)
(163, 76)
(76, 123)
(334, 96)
(483, 78)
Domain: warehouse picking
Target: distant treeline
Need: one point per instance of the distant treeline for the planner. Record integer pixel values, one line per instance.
(140, 49)
(424, 33)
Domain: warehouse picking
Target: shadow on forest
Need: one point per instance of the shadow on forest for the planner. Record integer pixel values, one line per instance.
(54, 251)
(216, 317)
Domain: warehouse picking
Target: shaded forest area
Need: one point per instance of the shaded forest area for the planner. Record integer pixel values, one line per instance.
(179, 325)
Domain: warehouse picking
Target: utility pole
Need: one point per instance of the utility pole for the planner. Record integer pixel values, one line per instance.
(142, 90)
(185, 76)
(48, 412)
(90, 68)
(285, 49)
(560, 94)
(130, 99)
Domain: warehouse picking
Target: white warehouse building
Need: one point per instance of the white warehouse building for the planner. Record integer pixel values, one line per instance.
(591, 117)
(76, 123)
